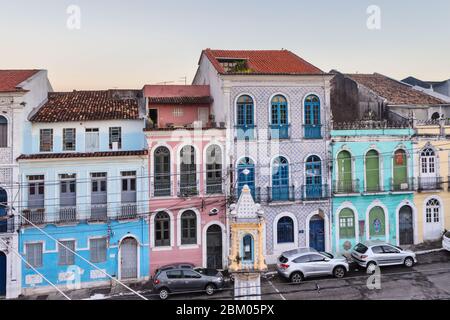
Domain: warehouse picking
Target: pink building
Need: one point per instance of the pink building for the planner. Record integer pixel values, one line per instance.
(187, 178)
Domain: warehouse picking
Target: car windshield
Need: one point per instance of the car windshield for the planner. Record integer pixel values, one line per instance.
(283, 259)
(360, 248)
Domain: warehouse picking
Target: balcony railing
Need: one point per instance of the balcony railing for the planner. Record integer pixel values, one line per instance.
(430, 183)
(99, 213)
(7, 224)
(315, 192)
(33, 216)
(373, 188)
(402, 186)
(280, 194)
(67, 214)
(128, 211)
(188, 191)
(214, 187)
(313, 131)
(162, 189)
(279, 131)
(245, 132)
(346, 186)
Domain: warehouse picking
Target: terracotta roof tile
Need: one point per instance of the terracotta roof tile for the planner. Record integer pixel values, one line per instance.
(11, 79)
(68, 155)
(277, 62)
(85, 106)
(393, 91)
(180, 100)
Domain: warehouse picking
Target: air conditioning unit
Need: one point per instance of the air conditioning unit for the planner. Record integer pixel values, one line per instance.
(404, 186)
(115, 146)
(214, 212)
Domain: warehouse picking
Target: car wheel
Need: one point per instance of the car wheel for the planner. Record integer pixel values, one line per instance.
(210, 289)
(371, 267)
(163, 293)
(296, 277)
(409, 262)
(339, 272)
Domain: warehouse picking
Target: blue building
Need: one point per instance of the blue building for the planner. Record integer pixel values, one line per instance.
(83, 186)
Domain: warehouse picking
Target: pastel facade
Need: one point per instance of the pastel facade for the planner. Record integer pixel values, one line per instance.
(187, 178)
(277, 126)
(84, 187)
(21, 91)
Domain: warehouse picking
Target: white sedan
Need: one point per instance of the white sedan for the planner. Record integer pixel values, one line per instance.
(446, 241)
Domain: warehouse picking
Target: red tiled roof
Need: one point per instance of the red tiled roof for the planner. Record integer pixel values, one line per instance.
(83, 155)
(164, 91)
(277, 62)
(11, 79)
(180, 100)
(85, 106)
(395, 92)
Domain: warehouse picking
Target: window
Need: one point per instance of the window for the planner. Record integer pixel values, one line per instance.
(213, 170)
(34, 254)
(285, 230)
(246, 176)
(162, 172)
(189, 274)
(162, 229)
(377, 222)
(302, 259)
(280, 179)
(312, 117)
(3, 132)
(377, 250)
(99, 181)
(115, 137)
(188, 172)
(433, 208)
(174, 274)
(92, 139)
(389, 249)
(279, 116)
(245, 117)
(68, 185)
(428, 162)
(153, 115)
(316, 258)
(69, 139)
(400, 166)
(346, 224)
(36, 191)
(247, 248)
(313, 172)
(46, 140)
(188, 227)
(65, 257)
(345, 176)
(178, 112)
(129, 188)
(98, 250)
(373, 171)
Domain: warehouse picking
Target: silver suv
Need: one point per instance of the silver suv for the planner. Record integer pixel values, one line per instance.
(371, 254)
(302, 263)
(172, 280)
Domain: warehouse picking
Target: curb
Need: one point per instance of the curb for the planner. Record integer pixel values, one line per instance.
(429, 251)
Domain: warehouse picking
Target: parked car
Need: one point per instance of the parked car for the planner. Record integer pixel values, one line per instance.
(372, 254)
(181, 265)
(178, 280)
(446, 241)
(296, 265)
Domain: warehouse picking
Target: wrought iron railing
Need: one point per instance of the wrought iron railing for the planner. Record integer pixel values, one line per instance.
(99, 213)
(33, 216)
(67, 214)
(346, 186)
(402, 185)
(7, 224)
(280, 194)
(128, 211)
(312, 131)
(188, 191)
(279, 131)
(245, 132)
(429, 183)
(162, 189)
(315, 192)
(214, 187)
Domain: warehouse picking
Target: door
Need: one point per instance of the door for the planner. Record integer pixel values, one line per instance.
(320, 265)
(214, 247)
(3, 211)
(372, 171)
(2, 274)
(92, 140)
(313, 178)
(406, 227)
(433, 227)
(192, 280)
(128, 259)
(99, 196)
(317, 233)
(345, 183)
(203, 116)
(246, 176)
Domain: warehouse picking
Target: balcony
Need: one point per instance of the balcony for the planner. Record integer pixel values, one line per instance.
(162, 189)
(280, 194)
(33, 216)
(128, 211)
(315, 192)
(430, 183)
(346, 186)
(67, 214)
(7, 224)
(245, 132)
(402, 186)
(312, 131)
(376, 188)
(214, 187)
(99, 213)
(188, 191)
(279, 131)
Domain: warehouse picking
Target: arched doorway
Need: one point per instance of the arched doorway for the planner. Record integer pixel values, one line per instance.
(406, 225)
(129, 258)
(214, 247)
(2, 274)
(317, 233)
(3, 210)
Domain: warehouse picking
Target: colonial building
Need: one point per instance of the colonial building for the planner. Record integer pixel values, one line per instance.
(21, 91)
(276, 108)
(187, 178)
(84, 185)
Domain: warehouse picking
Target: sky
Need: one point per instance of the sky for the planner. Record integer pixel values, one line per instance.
(126, 44)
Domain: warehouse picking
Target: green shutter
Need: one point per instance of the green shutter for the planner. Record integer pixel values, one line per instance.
(377, 222)
(372, 171)
(346, 224)
(400, 168)
(344, 171)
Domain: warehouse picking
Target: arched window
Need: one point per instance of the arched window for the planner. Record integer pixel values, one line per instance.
(246, 175)
(188, 227)
(377, 223)
(188, 172)
(428, 179)
(213, 170)
(3, 132)
(280, 179)
(162, 229)
(346, 224)
(373, 171)
(345, 182)
(245, 117)
(312, 118)
(433, 208)
(285, 230)
(279, 115)
(313, 173)
(400, 168)
(162, 186)
(247, 248)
